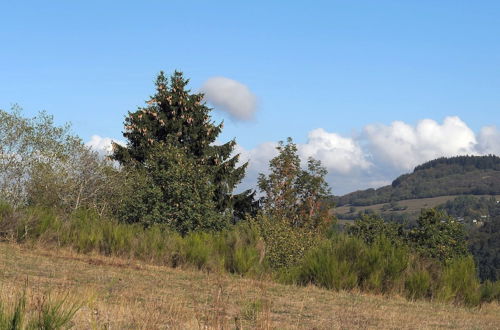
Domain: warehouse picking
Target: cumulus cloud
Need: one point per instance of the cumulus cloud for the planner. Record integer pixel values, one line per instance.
(342, 156)
(102, 145)
(404, 146)
(381, 153)
(489, 140)
(337, 153)
(230, 96)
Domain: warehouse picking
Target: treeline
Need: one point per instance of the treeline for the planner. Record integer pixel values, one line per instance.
(468, 162)
(167, 197)
(463, 175)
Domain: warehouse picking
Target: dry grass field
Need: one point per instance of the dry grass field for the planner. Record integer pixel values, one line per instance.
(124, 294)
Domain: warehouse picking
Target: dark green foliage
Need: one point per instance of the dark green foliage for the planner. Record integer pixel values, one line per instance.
(483, 234)
(438, 235)
(484, 244)
(476, 175)
(173, 131)
(490, 291)
(371, 227)
(466, 162)
(174, 190)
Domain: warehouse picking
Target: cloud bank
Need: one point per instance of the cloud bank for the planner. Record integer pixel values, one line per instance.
(403, 146)
(381, 152)
(230, 96)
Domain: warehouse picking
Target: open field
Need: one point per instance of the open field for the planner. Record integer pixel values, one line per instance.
(413, 206)
(124, 294)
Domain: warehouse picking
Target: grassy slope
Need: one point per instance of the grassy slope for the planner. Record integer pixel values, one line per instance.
(126, 294)
(413, 205)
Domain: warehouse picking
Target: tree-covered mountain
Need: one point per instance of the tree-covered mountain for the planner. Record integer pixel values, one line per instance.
(461, 175)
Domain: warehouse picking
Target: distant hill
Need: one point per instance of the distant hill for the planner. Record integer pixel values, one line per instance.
(461, 175)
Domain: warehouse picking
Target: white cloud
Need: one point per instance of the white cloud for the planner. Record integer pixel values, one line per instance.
(381, 153)
(403, 146)
(230, 96)
(489, 140)
(102, 144)
(258, 162)
(337, 153)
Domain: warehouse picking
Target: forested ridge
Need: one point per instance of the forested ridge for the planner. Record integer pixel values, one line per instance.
(461, 175)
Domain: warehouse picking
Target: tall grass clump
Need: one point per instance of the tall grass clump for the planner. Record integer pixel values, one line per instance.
(28, 311)
(490, 291)
(13, 318)
(345, 263)
(418, 285)
(459, 282)
(50, 314)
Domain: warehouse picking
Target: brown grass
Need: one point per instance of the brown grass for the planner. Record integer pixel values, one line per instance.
(125, 294)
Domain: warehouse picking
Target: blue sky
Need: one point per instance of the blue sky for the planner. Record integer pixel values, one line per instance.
(351, 68)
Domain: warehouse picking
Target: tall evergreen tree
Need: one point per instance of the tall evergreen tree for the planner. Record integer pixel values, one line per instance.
(176, 118)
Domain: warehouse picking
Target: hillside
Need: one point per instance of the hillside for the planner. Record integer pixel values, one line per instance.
(123, 293)
(462, 175)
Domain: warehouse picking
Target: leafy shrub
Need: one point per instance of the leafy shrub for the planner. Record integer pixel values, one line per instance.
(285, 245)
(438, 236)
(370, 227)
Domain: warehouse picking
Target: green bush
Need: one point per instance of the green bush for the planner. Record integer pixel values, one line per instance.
(285, 245)
(243, 250)
(459, 282)
(322, 267)
(346, 262)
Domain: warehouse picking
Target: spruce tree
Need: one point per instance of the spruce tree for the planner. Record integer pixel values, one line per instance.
(176, 118)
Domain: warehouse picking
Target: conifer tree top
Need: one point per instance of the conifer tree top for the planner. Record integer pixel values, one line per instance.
(175, 117)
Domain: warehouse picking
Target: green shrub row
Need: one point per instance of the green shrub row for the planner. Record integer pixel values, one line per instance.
(262, 247)
(238, 250)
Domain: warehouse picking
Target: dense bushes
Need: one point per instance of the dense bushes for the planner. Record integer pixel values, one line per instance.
(340, 263)
(344, 263)
(239, 250)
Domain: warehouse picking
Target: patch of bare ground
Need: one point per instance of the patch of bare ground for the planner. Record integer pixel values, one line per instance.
(125, 294)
